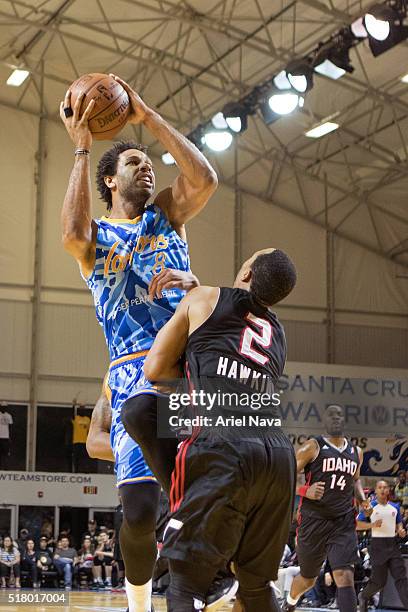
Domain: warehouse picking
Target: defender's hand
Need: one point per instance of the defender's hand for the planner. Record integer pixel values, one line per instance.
(138, 109)
(402, 532)
(171, 279)
(77, 128)
(315, 491)
(377, 524)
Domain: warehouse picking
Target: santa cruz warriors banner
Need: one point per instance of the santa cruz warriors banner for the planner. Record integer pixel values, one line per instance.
(375, 404)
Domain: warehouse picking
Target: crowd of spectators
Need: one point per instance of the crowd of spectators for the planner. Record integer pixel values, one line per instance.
(97, 563)
(49, 563)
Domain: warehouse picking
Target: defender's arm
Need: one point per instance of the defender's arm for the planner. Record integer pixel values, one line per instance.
(162, 361)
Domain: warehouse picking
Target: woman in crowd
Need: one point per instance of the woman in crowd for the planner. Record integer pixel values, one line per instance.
(86, 558)
(9, 562)
(29, 562)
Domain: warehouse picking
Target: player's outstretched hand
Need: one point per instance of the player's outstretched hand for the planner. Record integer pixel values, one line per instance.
(315, 491)
(138, 108)
(77, 127)
(171, 279)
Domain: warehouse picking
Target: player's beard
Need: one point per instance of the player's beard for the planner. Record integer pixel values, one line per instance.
(131, 192)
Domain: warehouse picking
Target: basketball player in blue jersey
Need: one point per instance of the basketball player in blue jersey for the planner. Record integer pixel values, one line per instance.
(124, 258)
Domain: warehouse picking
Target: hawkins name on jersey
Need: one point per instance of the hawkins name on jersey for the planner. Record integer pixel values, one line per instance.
(231, 368)
(129, 252)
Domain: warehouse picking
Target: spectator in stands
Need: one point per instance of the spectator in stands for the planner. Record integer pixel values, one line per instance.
(405, 518)
(288, 569)
(44, 556)
(65, 559)
(29, 562)
(400, 483)
(22, 540)
(103, 559)
(9, 562)
(92, 531)
(47, 531)
(6, 421)
(86, 560)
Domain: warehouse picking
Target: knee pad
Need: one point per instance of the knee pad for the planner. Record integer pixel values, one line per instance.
(138, 414)
(140, 506)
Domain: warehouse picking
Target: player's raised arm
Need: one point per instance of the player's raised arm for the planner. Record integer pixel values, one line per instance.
(98, 443)
(78, 229)
(197, 180)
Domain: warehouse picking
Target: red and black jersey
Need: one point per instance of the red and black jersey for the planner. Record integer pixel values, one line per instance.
(242, 344)
(336, 467)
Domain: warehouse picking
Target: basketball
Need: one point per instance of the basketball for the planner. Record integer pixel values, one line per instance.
(111, 106)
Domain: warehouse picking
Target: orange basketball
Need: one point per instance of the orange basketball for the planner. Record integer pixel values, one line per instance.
(111, 106)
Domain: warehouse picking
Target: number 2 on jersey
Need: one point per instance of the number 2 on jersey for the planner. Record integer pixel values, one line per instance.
(341, 482)
(250, 336)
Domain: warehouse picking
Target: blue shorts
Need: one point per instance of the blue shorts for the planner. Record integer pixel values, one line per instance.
(126, 379)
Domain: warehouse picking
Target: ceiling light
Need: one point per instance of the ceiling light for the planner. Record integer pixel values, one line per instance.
(218, 140)
(17, 77)
(283, 103)
(327, 68)
(385, 28)
(334, 61)
(322, 129)
(281, 81)
(300, 75)
(219, 122)
(357, 28)
(168, 159)
(377, 28)
(236, 116)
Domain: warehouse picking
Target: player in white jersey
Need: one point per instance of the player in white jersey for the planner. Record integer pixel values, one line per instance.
(121, 257)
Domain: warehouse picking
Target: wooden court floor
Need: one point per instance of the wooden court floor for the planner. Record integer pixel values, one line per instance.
(104, 602)
(85, 601)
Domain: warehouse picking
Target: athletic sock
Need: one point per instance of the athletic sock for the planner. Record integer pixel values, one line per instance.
(291, 601)
(347, 599)
(139, 596)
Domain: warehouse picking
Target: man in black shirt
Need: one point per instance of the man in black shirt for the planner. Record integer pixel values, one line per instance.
(232, 493)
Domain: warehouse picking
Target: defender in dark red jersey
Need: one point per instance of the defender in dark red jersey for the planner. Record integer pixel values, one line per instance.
(327, 527)
(232, 493)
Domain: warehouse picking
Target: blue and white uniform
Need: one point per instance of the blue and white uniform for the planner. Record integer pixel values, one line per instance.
(385, 553)
(390, 516)
(129, 252)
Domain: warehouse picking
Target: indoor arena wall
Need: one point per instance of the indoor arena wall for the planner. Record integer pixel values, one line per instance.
(370, 293)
